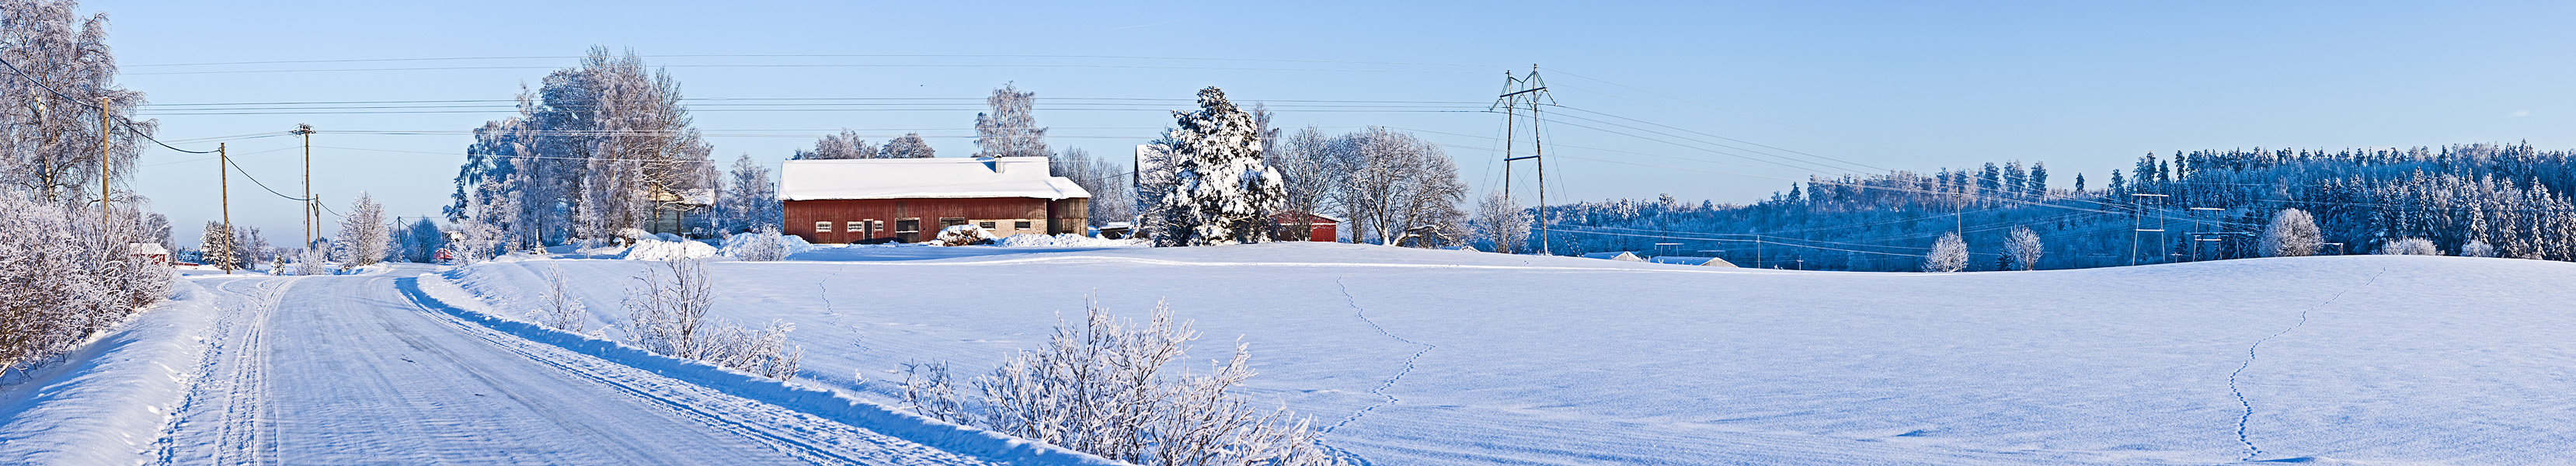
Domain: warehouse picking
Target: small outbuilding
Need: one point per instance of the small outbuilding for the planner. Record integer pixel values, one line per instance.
(1616, 256)
(1318, 227)
(910, 200)
(1689, 260)
(151, 253)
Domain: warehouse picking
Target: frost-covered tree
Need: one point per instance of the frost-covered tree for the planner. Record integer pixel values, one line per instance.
(250, 247)
(220, 251)
(846, 145)
(2292, 233)
(907, 146)
(1011, 128)
(66, 274)
(1502, 222)
(598, 148)
(1106, 181)
(2410, 246)
(2024, 247)
(417, 241)
(750, 200)
(1950, 254)
(364, 238)
(50, 104)
(1309, 168)
(1222, 193)
(1397, 189)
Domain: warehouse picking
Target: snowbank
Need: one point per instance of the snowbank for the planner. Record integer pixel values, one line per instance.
(1066, 240)
(438, 292)
(108, 402)
(963, 235)
(658, 250)
(736, 245)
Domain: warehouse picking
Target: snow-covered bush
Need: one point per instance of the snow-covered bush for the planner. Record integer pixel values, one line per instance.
(65, 276)
(308, 261)
(667, 314)
(1948, 255)
(2477, 248)
(1104, 386)
(1065, 240)
(2410, 246)
(761, 246)
(649, 249)
(2025, 247)
(963, 235)
(2292, 233)
(561, 311)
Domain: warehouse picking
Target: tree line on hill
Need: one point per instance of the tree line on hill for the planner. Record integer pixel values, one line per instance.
(2502, 200)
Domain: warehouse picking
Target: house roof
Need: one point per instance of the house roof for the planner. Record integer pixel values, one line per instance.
(802, 180)
(1689, 260)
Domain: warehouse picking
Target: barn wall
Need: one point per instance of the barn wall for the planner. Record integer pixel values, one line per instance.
(887, 214)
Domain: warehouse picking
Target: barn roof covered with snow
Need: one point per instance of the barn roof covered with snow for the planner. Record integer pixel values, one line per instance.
(805, 180)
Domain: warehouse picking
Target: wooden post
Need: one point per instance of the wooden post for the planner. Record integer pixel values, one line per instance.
(103, 218)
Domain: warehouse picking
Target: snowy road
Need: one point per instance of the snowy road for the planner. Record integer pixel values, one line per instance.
(350, 370)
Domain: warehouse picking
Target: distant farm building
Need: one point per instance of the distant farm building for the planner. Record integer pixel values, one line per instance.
(151, 253)
(1616, 256)
(910, 200)
(1688, 260)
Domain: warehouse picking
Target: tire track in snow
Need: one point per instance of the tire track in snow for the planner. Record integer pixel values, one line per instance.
(2251, 450)
(1390, 381)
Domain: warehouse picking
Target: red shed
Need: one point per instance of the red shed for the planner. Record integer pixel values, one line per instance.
(1319, 227)
(910, 200)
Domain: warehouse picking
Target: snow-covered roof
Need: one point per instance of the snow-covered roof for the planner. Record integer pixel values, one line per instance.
(802, 180)
(1689, 260)
(146, 248)
(1616, 256)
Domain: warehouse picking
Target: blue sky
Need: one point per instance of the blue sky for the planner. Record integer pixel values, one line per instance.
(2083, 86)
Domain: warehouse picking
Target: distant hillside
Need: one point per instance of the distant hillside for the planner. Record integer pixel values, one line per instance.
(2510, 196)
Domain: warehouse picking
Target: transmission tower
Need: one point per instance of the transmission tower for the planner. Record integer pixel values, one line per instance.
(1524, 94)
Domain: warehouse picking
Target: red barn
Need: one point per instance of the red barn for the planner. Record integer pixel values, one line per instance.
(1319, 227)
(910, 200)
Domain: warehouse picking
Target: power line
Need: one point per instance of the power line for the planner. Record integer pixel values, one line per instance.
(869, 65)
(558, 57)
(129, 124)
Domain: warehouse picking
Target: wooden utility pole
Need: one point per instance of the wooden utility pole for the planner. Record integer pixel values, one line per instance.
(312, 222)
(224, 161)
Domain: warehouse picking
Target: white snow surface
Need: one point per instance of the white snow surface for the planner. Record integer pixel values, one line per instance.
(1447, 358)
(1065, 240)
(659, 250)
(734, 245)
(106, 403)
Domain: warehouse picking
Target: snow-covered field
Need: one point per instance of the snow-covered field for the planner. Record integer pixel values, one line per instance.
(1447, 357)
(1408, 356)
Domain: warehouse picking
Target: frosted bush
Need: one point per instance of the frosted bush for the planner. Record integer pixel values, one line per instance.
(1105, 386)
(2477, 248)
(1950, 254)
(666, 313)
(764, 245)
(2410, 246)
(64, 276)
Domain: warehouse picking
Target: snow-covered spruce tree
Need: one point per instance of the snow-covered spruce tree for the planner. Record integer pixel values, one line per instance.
(1105, 386)
(1502, 222)
(2024, 247)
(250, 248)
(846, 145)
(1010, 129)
(2292, 233)
(1948, 255)
(2410, 246)
(363, 238)
(907, 146)
(750, 200)
(1221, 192)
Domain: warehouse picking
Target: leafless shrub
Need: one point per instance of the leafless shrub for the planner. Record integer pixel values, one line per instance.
(667, 314)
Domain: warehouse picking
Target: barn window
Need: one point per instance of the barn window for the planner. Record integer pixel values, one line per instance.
(1022, 225)
(855, 226)
(822, 227)
(907, 230)
(950, 222)
(985, 225)
(875, 227)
